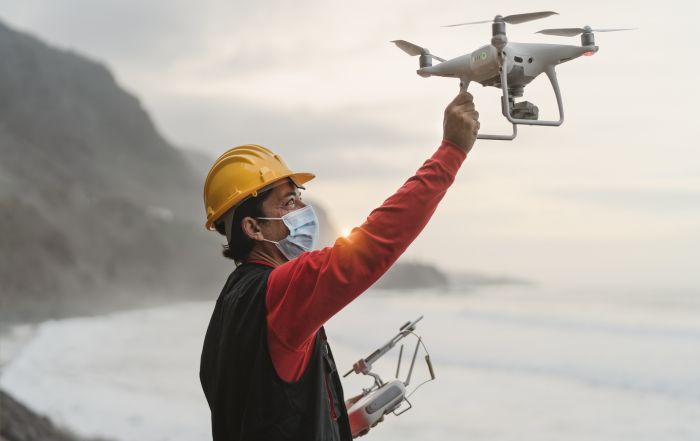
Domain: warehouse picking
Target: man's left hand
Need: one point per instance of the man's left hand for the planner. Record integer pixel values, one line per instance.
(348, 404)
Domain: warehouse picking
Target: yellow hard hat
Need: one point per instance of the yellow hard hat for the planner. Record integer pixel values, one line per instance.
(240, 173)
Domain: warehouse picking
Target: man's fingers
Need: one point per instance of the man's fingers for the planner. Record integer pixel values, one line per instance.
(462, 100)
(470, 117)
(461, 110)
(462, 97)
(466, 106)
(476, 125)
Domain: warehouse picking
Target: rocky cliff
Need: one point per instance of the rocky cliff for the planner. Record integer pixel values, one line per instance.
(96, 207)
(18, 423)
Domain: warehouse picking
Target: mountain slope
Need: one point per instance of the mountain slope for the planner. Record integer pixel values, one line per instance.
(94, 203)
(65, 123)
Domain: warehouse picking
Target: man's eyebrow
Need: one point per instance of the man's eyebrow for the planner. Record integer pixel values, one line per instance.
(291, 193)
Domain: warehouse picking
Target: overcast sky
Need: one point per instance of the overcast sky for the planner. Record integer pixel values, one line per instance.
(610, 199)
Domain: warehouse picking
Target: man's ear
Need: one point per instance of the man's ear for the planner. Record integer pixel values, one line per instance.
(251, 228)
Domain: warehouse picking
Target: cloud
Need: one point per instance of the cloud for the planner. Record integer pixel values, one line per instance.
(659, 201)
(338, 145)
(145, 34)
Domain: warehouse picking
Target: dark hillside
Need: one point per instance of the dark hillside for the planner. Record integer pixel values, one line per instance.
(94, 203)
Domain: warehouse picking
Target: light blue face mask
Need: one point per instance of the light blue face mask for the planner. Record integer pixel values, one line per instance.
(303, 232)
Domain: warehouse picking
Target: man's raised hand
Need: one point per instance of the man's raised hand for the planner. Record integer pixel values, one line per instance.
(461, 123)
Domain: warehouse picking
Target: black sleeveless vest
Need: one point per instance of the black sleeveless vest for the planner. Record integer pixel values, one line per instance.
(248, 400)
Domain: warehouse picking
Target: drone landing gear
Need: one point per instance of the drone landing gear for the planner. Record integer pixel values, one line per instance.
(524, 112)
(500, 137)
(463, 86)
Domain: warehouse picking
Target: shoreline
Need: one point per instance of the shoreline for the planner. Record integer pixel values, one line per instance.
(93, 370)
(82, 371)
(13, 338)
(19, 421)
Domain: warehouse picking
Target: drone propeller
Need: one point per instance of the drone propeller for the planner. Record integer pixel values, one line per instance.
(510, 19)
(413, 50)
(572, 32)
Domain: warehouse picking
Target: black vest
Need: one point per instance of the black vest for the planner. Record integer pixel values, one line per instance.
(248, 400)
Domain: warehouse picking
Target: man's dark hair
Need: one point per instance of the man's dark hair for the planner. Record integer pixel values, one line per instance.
(240, 244)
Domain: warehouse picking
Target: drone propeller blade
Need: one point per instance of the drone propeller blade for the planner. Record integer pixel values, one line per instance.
(614, 30)
(510, 19)
(414, 50)
(572, 32)
(522, 18)
(409, 48)
(562, 32)
(468, 23)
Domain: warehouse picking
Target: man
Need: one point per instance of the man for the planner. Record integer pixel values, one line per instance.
(266, 368)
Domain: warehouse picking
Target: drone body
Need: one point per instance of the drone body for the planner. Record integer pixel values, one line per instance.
(523, 63)
(509, 66)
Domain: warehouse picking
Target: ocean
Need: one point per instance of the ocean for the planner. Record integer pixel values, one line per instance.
(517, 363)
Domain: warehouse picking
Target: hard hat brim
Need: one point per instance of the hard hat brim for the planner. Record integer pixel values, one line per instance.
(300, 179)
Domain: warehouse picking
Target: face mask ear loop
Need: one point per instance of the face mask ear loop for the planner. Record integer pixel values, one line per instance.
(275, 218)
(228, 225)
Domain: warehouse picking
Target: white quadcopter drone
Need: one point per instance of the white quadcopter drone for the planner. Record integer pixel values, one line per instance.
(510, 66)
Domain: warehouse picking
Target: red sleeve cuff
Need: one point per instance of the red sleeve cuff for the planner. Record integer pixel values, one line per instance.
(455, 147)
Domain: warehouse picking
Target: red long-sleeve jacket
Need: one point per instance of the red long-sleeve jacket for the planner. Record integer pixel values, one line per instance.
(304, 293)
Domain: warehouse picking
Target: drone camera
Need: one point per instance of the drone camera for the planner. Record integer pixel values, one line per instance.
(525, 110)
